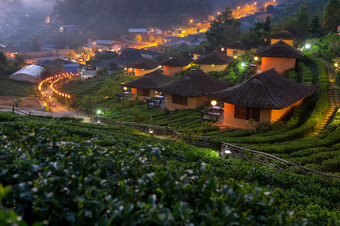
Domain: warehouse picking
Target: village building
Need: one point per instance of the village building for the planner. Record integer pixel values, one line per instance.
(191, 91)
(280, 56)
(108, 64)
(146, 86)
(265, 97)
(128, 57)
(30, 73)
(285, 36)
(175, 65)
(239, 48)
(214, 61)
(35, 57)
(106, 45)
(143, 67)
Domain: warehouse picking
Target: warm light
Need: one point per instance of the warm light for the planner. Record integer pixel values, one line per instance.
(256, 58)
(255, 3)
(99, 112)
(45, 104)
(235, 57)
(93, 43)
(336, 65)
(238, 7)
(243, 64)
(191, 21)
(218, 13)
(125, 69)
(213, 65)
(151, 131)
(308, 46)
(213, 103)
(125, 88)
(222, 49)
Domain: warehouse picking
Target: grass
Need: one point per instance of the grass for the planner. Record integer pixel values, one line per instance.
(10, 87)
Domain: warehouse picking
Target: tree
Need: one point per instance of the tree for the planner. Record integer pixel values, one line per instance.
(71, 55)
(19, 61)
(3, 63)
(36, 45)
(302, 19)
(315, 28)
(331, 16)
(224, 30)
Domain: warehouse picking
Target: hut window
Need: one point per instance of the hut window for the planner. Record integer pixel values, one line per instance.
(143, 92)
(247, 113)
(179, 100)
(240, 112)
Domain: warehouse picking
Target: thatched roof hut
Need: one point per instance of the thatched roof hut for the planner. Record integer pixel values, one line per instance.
(267, 90)
(279, 49)
(179, 61)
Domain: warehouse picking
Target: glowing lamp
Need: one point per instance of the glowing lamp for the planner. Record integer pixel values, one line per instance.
(151, 132)
(308, 46)
(243, 64)
(99, 112)
(235, 57)
(125, 88)
(336, 65)
(222, 49)
(213, 103)
(256, 58)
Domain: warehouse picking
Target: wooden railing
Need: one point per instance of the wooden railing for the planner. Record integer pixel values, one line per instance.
(268, 160)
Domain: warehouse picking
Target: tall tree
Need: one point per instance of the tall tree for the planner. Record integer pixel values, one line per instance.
(3, 63)
(315, 28)
(224, 30)
(302, 19)
(332, 16)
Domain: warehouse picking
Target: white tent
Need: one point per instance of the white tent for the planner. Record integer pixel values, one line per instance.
(31, 73)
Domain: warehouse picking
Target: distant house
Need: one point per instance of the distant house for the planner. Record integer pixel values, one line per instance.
(31, 73)
(265, 97)
(149, 54)
(34, 57)
(239, 48)
(60, 64)
(191, 91)
(143, 67)
(108, 64)
(138, 30)
(146, 85)
(71, 29)
(106, 45)
(128, 57)
(285, 36)
(280, 56)
(175, 65)
(214, 61)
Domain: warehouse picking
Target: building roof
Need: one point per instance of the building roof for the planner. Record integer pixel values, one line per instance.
(286, 35)
(243, 44)
(145, 64)
(153, 80)
(266, 90)
(30, 73)
(138, 30)
(215, 57)
(279, 49)
(194, 84)
(178, 60)
(47, 54)
(104, 42)
(128, 57)
(149, 52)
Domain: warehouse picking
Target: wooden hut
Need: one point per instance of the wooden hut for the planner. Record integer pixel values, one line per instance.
(146, 85)
(144, 67)
(202, 51)
(175, 65)
(280, 56)
(239, 48)
(284, 36)
(265, 97)
(214, 61)
(191, 90)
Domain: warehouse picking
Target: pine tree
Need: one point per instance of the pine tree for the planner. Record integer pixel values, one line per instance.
(315, 26)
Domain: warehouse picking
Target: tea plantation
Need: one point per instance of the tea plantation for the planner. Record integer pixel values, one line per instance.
(58, 172)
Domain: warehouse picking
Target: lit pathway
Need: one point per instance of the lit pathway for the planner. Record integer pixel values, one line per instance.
(334, 100)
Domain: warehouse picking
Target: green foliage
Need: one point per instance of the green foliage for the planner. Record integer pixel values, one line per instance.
(332, 16)
(3, 63)
(219, 33)
(68, 173)
(10, 87)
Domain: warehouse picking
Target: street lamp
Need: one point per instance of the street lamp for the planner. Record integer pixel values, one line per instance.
(243, 64)
(308, 46)
(151, 132)
(222, 49)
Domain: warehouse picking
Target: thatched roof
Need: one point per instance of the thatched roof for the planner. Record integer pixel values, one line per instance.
(145, 64)
(279, 49)
(128, 57)
(266, 90)
(282, 35)
(215, 57)
(153, 80)
(243, 44)
(194, 84)
(177, 61)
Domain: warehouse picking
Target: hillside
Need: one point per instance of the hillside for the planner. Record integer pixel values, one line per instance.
(72, 173)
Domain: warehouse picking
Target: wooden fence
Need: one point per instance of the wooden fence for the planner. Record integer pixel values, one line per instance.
(268, 160)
